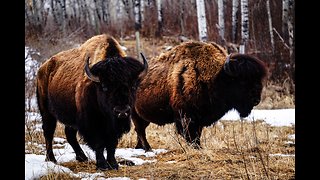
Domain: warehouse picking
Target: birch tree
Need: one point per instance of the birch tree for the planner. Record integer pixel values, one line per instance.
(285, 19)
(64, 16)
(160, 18)
(182, 15)
(128, 8)
(270, 25)
(142, 7)
(221, 20)
(291, 32)
(137, 17)
(244, 25)
(202, 22)
(235, 7)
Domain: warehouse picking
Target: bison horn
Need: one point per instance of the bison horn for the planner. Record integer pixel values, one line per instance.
(88, 72)
(226, 67)
(145, 65)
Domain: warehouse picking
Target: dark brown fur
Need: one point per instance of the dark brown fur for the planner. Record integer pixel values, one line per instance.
(188, 86)
(99, 111)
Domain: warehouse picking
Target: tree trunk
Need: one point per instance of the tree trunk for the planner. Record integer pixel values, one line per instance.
(142, 3)
(285, 19)
(221, 21)
(182, 14)
(235, 6)
(119, 17)
(291, 32)
(270, 25)
(137, 17)
(202, 24)
(160, 19)
(244, 24)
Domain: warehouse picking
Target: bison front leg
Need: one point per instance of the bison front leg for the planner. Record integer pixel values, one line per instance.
(111, 160)
(101, 163)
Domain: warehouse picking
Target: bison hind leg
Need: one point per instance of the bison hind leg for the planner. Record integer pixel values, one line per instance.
(140, 126)
(48, 125)
(71, 135)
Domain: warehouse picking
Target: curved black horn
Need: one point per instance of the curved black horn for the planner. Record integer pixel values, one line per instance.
(88, 72)
(145, 66)
(226, 66)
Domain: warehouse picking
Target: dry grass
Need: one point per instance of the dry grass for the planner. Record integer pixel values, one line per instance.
(231, 150)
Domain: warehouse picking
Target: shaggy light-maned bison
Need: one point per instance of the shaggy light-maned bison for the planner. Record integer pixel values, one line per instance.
(91, 90)
(193, 85)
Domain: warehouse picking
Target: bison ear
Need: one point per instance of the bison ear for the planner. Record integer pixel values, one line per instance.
(145, 67)
(88, 71)
(230, 66)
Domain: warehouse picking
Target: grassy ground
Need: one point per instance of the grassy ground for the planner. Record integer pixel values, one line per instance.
(231, 150)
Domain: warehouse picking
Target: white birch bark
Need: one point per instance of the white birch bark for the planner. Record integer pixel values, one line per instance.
(270, 25)
(159, 10)
(291, 28)
(235, 7)
(244, 21)
(142, 5)
(160, 18)
(137, 17)
(202, 24)
(285, 18)
(221, 19)
(182, 15)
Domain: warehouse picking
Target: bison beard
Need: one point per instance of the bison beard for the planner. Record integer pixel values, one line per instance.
(193, 85)
(96, 101)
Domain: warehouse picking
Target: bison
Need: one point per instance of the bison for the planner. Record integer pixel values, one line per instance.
(91, 90)
(193, 85)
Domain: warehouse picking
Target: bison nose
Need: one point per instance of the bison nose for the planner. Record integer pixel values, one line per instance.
(122, 112)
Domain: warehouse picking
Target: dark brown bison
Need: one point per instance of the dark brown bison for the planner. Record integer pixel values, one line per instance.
(90, 89)
(193, 85)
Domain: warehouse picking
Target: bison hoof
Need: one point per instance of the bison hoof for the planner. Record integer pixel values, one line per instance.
(146, 148)
(106, 166)
(112, 166)
(102, 165)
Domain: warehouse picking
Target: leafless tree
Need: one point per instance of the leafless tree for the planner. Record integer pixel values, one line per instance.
(221, 20)
(270, 25)
(244, 25)
(137, 15)
(235, 7)
(202, 21)
(160, 19)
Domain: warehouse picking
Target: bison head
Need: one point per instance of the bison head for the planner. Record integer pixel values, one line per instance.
(245, 75)
(116, 80)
